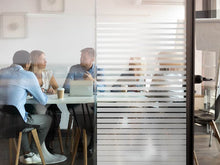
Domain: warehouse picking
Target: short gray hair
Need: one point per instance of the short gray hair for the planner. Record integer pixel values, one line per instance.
(90, 51)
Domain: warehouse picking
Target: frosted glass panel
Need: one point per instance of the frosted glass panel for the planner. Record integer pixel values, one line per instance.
(141, 84)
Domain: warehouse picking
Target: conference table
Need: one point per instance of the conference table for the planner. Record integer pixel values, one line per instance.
(52, 99)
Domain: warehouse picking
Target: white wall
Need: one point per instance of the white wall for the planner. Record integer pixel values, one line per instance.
(61, 36)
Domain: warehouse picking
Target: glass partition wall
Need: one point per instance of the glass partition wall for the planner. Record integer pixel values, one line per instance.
(144, 71)
(142, 85)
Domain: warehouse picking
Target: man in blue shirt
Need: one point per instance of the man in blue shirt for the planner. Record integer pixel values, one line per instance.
(83, 71)
(15, 84)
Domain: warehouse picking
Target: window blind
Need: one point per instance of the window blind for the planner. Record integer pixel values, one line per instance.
(141, 92)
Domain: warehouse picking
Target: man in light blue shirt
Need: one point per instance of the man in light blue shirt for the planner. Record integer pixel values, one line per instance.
(15, 84)
(83, 71)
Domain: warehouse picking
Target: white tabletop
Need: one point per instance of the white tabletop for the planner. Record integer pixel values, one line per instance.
(52, 99)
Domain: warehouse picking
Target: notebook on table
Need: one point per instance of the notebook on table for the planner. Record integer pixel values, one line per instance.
(81, 88)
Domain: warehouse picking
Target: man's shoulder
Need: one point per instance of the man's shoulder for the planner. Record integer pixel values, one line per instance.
(76, 67)
(3, 69)
(28, 73)
(13, 73)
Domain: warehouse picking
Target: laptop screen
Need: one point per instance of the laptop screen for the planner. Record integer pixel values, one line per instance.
(81, 88)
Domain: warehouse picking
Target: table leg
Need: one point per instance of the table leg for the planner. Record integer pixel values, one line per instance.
(52, 158)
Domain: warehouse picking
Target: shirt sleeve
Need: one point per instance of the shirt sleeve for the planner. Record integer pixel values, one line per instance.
(34, 89)
(66, 85)
(100, 84)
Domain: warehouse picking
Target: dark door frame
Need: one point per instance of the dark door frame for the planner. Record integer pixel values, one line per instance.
(190, 10)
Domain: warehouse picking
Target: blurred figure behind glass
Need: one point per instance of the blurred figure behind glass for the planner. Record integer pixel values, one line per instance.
(49, 86)
(15, 84)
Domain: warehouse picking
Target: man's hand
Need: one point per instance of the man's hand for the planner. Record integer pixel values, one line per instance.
(88, 76)
(43, 90)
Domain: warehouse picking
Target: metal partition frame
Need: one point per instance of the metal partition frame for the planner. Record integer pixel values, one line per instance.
(190, 9)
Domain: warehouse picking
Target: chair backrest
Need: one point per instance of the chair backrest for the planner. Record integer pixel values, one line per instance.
(11, 121)
(217, 108)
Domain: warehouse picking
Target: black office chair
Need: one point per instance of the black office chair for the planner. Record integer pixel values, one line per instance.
(12, 126)
(205, 117)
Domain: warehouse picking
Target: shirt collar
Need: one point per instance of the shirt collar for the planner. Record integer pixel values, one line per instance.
(17, 67)
(92, 68)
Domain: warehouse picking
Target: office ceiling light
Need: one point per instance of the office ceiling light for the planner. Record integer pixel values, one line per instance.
(160, 2)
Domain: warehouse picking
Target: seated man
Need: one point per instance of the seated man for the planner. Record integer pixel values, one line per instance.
(83, 71)
(15, 84)
(137, 80)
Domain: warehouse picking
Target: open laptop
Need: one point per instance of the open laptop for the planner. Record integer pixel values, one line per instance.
(81, 88)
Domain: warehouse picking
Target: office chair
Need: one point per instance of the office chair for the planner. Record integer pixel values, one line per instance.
(195, 158)
(204, 117)
(12, 126)
(207, 118)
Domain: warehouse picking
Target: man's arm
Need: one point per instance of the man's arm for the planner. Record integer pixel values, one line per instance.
(66, 85)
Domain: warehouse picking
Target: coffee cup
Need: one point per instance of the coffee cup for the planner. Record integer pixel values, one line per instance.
(60, 93)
